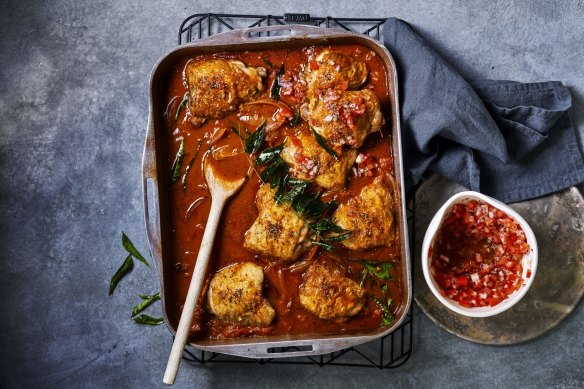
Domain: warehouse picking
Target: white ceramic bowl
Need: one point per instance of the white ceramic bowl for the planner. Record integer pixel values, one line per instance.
(529, 261)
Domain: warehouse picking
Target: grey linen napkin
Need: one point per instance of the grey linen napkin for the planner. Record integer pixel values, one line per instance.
(510, 140)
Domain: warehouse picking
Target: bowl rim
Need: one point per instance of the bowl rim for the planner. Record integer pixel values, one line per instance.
(531, 258)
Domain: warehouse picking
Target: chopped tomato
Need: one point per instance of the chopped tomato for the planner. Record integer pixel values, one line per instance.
(476, 257)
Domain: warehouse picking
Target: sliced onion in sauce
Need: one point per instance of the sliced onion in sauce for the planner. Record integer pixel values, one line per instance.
(224, 152)
(194, 205)
(218, 133)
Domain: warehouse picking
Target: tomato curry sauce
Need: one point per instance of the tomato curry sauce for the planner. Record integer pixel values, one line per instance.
(190, 201)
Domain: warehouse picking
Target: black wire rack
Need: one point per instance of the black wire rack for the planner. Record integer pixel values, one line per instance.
(391, 351)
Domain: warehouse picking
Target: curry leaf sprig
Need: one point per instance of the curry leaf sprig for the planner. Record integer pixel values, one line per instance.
(126, 268)
(308, 206)
(128, 263)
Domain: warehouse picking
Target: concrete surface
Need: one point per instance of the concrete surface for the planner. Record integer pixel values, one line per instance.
(73, 107)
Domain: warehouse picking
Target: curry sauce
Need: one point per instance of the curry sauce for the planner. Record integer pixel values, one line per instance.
(217, 141)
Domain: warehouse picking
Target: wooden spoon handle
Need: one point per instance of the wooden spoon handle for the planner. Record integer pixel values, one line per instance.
(194, 292)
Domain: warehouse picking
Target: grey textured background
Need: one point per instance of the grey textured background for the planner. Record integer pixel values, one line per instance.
(73, 108)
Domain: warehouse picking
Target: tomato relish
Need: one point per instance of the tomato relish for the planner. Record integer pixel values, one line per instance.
(476, 255)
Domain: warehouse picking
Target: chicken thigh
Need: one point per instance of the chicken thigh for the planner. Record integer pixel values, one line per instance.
(277, 232)
(235, 296)
(218, 86)
(332, 70)
(309, 161)
(344, 118)
(369, 216)
(329, 293)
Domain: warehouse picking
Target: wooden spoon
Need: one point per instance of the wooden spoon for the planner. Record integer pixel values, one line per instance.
(220, 191)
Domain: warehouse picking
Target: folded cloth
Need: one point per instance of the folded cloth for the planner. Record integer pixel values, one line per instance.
(510, 140)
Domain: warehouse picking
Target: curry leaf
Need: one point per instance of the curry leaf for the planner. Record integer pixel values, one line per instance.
(149, 320)
(189, 166)
(324, 225)
(297, 187)
(236, 132)
(322, 143)
(323, 244)
(380, 270)
(178, 161)
(295, 119)
(269, 154)
(275, 172)
(146, 301)
(339, 238)
(363, 277)
(387, 317)
(126, 267)
(275, 91)
(184, 102)
(129, 246)
(268, 62)
(255, 140)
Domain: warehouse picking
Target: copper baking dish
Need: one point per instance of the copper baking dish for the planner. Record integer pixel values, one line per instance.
(156, 199)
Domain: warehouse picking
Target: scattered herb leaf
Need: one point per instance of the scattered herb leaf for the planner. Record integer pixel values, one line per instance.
(295, 119)
(126, 267)
(387, 317)
(297, 187)
(189, 166)
(363, 277)
(339, 238)
(275, 91)
(268, 62)
(149, 320)
(274, 173)
(178, 161)
(385, 292)
(130, 248)
(380, 270)
(325, 225)
(235, 131)
(322, 143)
(323, 244)
(183, 102)
(269, 154)
(255, 140)
(146, 301)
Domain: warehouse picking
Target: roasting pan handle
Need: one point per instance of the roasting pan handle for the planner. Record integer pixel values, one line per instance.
(253, 33)
(150, 192)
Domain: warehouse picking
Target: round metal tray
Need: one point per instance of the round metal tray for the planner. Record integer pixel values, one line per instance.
(558, 223)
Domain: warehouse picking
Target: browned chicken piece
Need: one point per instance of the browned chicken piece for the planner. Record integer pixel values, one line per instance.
(218, 86)
(344, 118)
(369, 216)
(277, 232)
(329, 293)
(309, 161)
(235, 296)
(335, 71)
